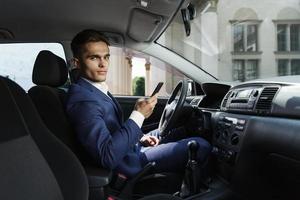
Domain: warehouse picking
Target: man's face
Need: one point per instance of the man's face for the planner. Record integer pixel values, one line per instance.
(93, 61)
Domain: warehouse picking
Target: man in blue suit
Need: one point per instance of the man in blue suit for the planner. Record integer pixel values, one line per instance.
(97, 117)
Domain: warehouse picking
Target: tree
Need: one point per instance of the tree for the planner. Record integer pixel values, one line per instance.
(138, 86)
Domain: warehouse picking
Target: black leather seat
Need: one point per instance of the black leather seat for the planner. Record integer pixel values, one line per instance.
(36, 165)
(49, 73)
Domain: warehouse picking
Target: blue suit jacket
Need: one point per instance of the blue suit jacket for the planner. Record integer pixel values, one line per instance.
(98, 122)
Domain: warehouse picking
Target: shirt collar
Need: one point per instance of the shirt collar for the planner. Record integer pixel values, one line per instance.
(102, 86)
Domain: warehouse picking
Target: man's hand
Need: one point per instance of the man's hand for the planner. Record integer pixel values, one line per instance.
(146, 106)
(148, 140)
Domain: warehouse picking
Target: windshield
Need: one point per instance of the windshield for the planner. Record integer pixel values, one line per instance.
(239, 40)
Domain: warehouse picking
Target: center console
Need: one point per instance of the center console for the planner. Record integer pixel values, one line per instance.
(227, 139)
(229, 125)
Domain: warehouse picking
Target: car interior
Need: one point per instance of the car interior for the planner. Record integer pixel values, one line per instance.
(253, 126)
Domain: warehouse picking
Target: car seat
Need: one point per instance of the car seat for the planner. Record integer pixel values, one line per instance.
(49, 74)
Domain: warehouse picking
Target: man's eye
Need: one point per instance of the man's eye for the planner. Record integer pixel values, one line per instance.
(93, 57)
(106, 57)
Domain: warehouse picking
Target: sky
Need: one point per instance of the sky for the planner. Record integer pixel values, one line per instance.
(138, 67)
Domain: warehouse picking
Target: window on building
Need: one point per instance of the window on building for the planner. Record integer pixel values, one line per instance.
(288, 37)
(238, 38)
(295, 37)
(283, 67)
(17, 60)
(281, 37)
(245, 37)
(251, 44)
(245, 70)
(238, 70)
(251, 70)
(288, 67)
(295, 67)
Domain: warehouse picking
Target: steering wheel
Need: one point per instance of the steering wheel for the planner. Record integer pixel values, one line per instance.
(173, 108)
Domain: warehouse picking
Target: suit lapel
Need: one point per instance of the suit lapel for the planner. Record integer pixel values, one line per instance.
(102, 96)
(119, 109)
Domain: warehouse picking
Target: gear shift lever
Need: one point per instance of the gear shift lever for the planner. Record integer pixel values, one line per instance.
(193, 148)
(191, 180)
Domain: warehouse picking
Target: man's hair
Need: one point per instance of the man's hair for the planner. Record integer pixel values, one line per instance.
(85, 36)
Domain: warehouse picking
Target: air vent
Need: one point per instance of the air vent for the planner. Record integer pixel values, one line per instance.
(264, 102)
(226, 99)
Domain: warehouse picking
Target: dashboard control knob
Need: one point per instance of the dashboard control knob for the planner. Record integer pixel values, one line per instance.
(234, 139)
(229, 156)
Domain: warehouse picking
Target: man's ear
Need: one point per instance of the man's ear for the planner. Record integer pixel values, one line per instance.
(75, 63)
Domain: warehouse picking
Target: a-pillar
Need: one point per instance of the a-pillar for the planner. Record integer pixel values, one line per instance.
(209, 39)
(147, 79)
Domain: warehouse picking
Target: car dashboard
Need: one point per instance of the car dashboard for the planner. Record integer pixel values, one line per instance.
(255, 134)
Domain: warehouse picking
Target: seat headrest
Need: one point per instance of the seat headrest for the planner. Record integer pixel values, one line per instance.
(49, 69)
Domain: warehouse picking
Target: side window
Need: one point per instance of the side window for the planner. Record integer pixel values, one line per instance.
(17, 60)
(137, 74)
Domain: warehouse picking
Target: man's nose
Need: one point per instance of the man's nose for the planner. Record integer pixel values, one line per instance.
(101, 61)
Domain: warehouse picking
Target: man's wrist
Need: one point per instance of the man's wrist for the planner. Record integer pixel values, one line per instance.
(137, 117)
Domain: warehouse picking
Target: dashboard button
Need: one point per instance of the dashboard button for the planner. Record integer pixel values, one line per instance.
(239, 127)
(241, 121)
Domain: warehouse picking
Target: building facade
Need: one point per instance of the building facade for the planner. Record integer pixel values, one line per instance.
(234, 40)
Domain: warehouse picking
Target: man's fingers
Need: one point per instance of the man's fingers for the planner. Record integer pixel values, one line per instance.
(154, 140)
(153, 98)
(146, 106)
(150, 141)
(148, 113)
(153, 103)
(140, 100)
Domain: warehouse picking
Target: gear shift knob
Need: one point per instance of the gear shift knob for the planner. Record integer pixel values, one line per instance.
(190, 184)
(193, 147)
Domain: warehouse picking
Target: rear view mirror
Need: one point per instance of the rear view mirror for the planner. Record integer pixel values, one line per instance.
(188, 14)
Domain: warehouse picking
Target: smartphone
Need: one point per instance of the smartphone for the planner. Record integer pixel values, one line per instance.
(158, 87)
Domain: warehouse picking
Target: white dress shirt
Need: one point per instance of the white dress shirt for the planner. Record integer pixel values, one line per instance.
(136, 116)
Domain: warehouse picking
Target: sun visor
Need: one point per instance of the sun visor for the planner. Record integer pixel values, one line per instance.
(143, 25)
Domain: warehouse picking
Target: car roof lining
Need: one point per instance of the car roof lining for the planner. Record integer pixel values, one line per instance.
(51, 21)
